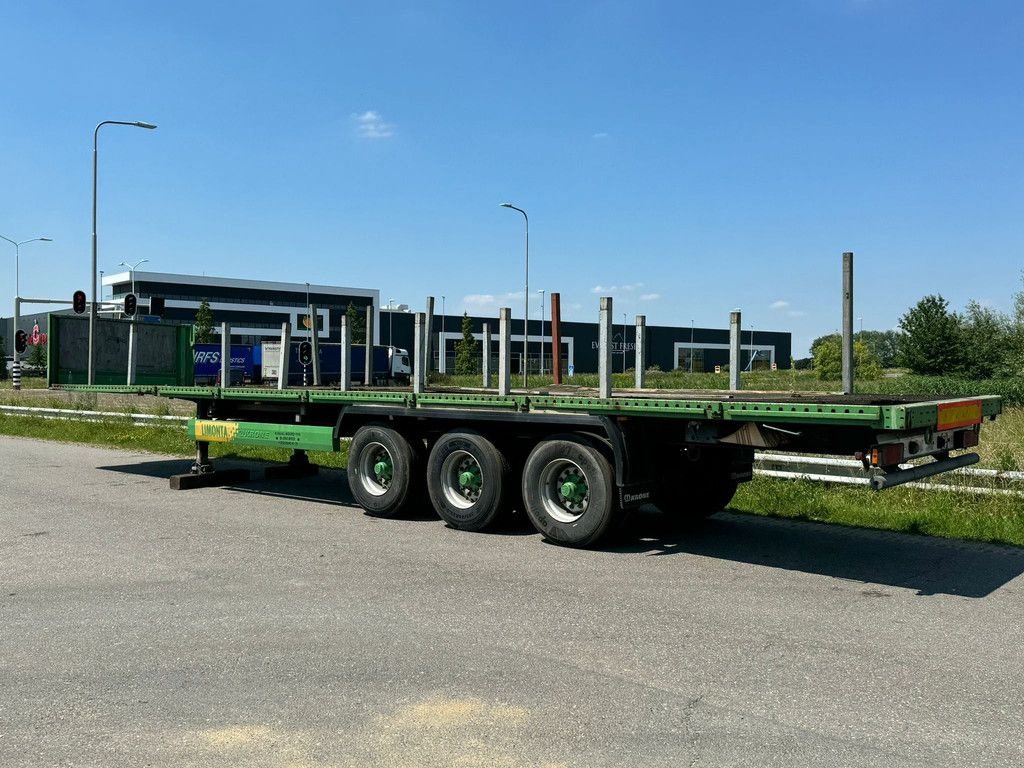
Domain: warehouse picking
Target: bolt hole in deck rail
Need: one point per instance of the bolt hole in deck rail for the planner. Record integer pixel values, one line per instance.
(573, 459)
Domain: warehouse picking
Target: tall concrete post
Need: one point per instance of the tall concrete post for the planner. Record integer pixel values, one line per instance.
(314, 340)
(504, 350)
(556, 338)
(604, 343)
(345, 374)
(848, 323)
(428, 332)
(282, 366)
(225, 355)
(486, 367)
(16, 365)
(133, 351)
(641, 351)
(734, 349)
(418, 363)
(368, 367)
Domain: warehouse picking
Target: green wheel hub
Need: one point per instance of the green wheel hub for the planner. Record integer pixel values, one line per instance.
(573, 489)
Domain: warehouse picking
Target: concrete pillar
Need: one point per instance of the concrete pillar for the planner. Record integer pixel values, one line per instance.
(641, 351)
(314, 340)
(346, 355)
(368, 367)
(282, 367)
(418, 363)
(734, 349)
(225, 354)
(428, 332)
(556, 338)
(486, 367)
(848, 323)
(133, 352)
(604, 352)
(504, 350)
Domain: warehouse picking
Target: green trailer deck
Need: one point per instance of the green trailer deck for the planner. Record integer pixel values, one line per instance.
(572, 459)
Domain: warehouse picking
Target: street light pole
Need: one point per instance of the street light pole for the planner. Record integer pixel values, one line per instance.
(391, 322)
(16, 365)
(541, 292)
(442, 347)
(131, 272)
(526, 293)
(92, 295)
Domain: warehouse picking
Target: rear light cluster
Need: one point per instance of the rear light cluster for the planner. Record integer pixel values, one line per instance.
(887, 455)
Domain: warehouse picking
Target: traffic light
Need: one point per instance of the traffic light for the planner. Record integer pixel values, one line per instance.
(131, 303)
(78, 302)
(156, 306)
(20, 341)
(305, 353)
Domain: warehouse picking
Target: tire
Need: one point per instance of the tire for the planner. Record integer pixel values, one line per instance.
(577, 520)
(468, 481)
(383, 471)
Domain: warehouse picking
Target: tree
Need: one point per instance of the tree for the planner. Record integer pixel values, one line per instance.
(202, 329)
(467, 350)
(37, 357)
(884, 345)
(828, 359)
(933, 344)
(357, 322)
(985, 336)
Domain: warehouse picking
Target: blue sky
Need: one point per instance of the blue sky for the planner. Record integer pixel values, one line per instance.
(685, 157)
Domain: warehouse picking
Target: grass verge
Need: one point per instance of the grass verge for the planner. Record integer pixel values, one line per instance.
(977, 517)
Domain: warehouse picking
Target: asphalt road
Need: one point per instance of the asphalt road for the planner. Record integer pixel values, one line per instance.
(275, 625)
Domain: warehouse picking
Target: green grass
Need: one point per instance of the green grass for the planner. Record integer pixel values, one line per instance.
(170, 440)
(990, 518)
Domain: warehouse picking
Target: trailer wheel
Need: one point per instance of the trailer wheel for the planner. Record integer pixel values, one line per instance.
(691, 491)
(467, 478)
(382, 470)
(568, 491)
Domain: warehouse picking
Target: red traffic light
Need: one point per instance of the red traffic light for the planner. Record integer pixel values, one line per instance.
(20, 341)
(131, 304)
(78, 302)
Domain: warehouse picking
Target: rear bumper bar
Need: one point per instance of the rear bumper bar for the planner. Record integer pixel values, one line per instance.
(901, 476)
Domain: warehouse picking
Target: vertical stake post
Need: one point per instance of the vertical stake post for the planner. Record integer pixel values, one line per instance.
(504, 350)
(428, 332)
(641, 351)
(346, 355)
(417, 353)
(368, 364)
(556, 338)
(314, 340)
(486, 362)
(848, 323)
(604, 353)
(282, 363)
(225, 355)
(735, 318)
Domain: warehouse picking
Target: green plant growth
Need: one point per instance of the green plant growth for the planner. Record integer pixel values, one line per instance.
(467, 350)
(933, 344)
(357, 322)
(37, 357)
(202, 330)
(828, 359)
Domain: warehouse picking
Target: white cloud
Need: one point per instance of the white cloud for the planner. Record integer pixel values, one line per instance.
(608, 289)
(599, 135)
(779, 304)
(650, 296)
(371, 125)
(479, 300)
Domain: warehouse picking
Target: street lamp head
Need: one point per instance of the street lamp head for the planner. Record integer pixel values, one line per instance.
(140, 124)
(46, 239)
(506, 205)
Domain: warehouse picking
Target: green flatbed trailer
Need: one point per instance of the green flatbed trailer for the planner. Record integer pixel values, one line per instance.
(571, 459)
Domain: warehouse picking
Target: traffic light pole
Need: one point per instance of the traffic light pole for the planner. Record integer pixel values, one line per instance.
(16, 365)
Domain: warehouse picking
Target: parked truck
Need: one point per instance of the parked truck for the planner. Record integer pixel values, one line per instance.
(390, 364)
(208, 367)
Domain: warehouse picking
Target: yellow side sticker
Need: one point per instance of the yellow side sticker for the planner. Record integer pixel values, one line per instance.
(215, 431)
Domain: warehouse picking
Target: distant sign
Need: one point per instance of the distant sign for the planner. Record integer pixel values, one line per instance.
(35, 338)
